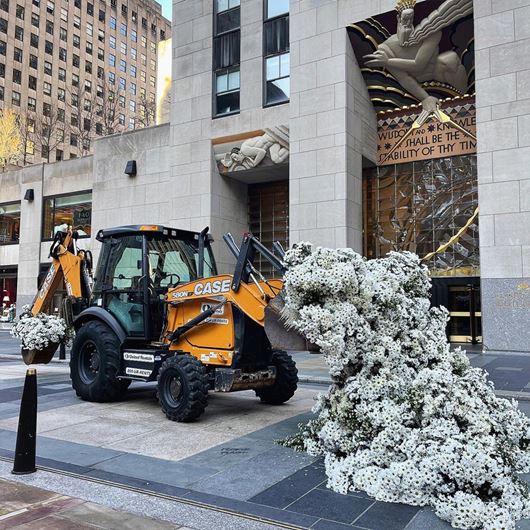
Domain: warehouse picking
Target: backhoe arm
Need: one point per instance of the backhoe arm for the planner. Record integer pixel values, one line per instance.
(68, 265)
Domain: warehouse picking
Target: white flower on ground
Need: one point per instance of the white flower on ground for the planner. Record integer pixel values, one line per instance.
(406, 419)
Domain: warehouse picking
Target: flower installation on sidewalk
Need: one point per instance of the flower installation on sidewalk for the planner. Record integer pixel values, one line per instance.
(40, 331)
(406, 419)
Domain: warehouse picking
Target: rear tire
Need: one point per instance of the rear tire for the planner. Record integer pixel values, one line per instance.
(95, 363)
(182, 388)
(286, 380)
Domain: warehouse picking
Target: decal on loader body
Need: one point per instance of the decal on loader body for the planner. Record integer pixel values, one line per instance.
(215, 287)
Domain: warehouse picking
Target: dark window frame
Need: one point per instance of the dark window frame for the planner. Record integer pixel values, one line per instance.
(222, 71)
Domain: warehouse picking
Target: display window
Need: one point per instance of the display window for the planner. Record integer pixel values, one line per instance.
(61, 211)
(9, 223)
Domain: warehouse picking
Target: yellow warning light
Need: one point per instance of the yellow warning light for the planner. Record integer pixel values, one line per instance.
(149, 228)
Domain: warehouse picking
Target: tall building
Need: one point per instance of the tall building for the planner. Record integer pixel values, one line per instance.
(78, 70)
(321, 121)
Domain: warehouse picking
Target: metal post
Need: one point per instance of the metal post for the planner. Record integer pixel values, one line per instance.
(27, 427)
(472, 314)
(62, 351)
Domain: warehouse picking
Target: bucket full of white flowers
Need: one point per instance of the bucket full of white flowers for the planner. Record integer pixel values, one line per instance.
(40, 335)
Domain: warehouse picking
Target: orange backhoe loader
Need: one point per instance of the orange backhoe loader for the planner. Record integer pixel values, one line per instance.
(158, 311)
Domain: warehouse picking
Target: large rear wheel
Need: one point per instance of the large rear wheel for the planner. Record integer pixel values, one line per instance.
(286, 382)
(182, 388)
(95, 362)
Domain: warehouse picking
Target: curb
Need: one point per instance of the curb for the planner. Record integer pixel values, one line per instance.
(507, 394)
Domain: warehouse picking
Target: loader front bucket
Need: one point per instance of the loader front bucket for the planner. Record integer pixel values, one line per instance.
(280, 334)
(43, 356)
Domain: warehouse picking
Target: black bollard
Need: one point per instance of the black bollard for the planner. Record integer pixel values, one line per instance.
(27, 427)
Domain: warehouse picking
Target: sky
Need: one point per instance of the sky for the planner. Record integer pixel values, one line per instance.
(166, 7)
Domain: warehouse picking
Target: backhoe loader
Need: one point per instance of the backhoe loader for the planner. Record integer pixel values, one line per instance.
(157, 310)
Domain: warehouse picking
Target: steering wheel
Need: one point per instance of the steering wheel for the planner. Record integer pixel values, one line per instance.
(171, 283)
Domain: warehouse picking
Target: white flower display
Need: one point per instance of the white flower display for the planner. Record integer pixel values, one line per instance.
(406, 419)
(37, 332)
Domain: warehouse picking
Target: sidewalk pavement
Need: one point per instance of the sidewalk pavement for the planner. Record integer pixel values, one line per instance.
(24, 507)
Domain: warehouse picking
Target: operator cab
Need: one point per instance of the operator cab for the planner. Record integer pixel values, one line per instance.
(138, 264)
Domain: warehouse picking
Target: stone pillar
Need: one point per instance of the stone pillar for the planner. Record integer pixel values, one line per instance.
(502, 37)
(332, 125)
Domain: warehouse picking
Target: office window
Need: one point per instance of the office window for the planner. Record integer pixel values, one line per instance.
(62, 74)
(89, 29)
(101, 54)
(87, 105)
(112, 22)
(61, 94)
(124, 10)
(88, 67)
(143, 76)
(32, 82)
(15, 98)
(134, 16)
(77, 41)
(99, 91)
(34, 40)
(153, 64)
(123, 65)
(153, 30)
(152, 81)
(90, 9)
(88, 86)
(48, 47)
(17, 55)
(101, 15)
(162, 34)
(101, 35)
(144, 42)
(277, 7)
(32, 104)
(133, 71)
(132, 106)
(48, 69)
(153, 47)
(49, 27)
(9, 222)
(75, 80)
(88, 48)
(77, 3)
(143, 59)
(144, 23)
(64, 14)
(123, 48)
(4, 5)
(227, 17)
(133, 54)
(132, 122)
(112, 59)
(59, 155)
(2, 70)
(47, 89)
(123, 85)
(33, 61)
(17, 76)
(19, 33)
(72, 209)
(226, 92)
(121, 101)
(112, 42)
(2, 94)
(50, 7)
(62, 54)
(73, 140)
(35, 20)
(3, 47)
(60, 115)
(101, 73)
(30, 147)
(123, 29)
(134, 35)
(63, 34)
(77, 22)
(20, 12)
(75, 60)
(132, 88)
(277, 79)
(121, 119)
(112, 78)
(60, 135)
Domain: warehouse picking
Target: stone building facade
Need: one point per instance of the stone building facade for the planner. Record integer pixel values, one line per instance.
(78, 69)
(238, 154)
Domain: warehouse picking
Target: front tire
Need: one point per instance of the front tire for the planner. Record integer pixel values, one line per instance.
(95, 363)
(286, 382)
(182, 388)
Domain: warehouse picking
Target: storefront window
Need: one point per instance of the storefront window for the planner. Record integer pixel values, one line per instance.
(9, 223)
(63, 210)
(8, 293)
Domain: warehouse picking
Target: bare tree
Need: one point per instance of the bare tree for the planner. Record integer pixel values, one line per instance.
(49, 129)
(26, 126)
(83, 117)
(145, 111)
(108, 109)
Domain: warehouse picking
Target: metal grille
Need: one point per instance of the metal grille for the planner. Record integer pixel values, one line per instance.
(419, 206)
(268, 218)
